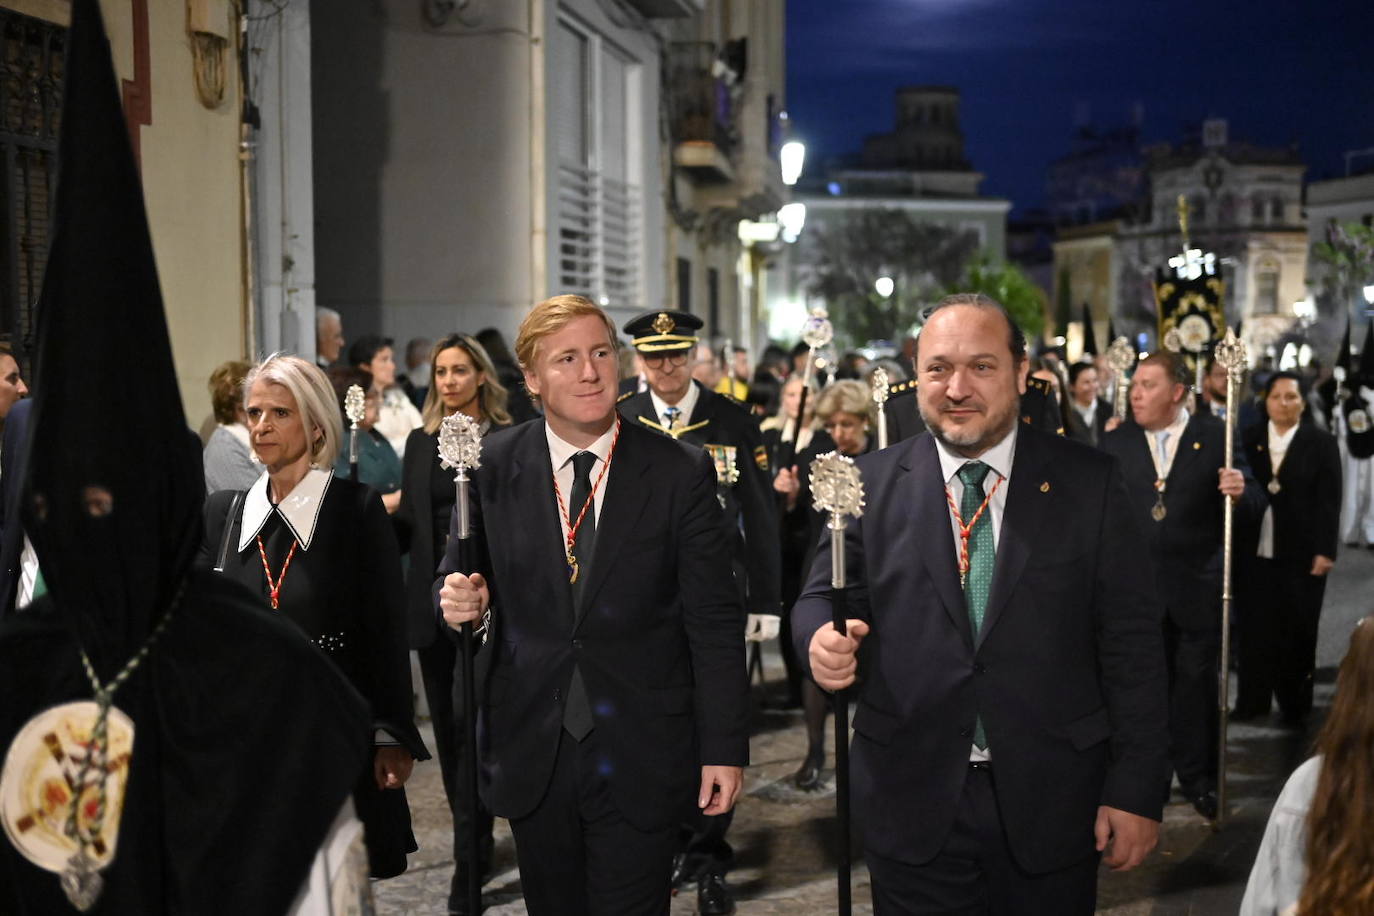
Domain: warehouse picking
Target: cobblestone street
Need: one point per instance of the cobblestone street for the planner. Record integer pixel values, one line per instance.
(783, 838)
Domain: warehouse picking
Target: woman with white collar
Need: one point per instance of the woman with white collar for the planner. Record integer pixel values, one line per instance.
(320, 550)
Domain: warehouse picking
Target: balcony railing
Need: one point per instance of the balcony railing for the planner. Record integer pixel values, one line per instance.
(703, 109)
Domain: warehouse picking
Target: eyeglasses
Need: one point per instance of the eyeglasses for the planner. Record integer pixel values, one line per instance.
(676, 359)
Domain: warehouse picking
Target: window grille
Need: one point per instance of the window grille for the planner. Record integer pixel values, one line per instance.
(32, 53)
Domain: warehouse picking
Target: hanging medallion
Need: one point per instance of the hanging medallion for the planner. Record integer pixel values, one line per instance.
(1274, 486)
(60, 805)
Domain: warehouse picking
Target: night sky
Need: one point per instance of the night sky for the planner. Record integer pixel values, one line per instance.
(1279, 70)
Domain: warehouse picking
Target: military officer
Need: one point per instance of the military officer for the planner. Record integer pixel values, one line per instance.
(677, 406)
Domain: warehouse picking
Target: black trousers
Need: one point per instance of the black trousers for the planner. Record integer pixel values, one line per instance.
(1193, 657)
(442, 672)
(579, 856)
(975, 872)
(1278, 636)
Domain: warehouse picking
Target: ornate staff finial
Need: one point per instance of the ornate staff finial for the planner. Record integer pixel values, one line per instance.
(880, 386)
(1120, 357)
(818, 331)
(880, 392)
(837, 488)
(460, 443)
(460, 449)
(1231, 352)
(355, 405)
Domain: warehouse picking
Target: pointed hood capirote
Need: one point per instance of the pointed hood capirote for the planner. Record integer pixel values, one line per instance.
(1343, 351)
(247, 740)
(115, 485)
(1089, 335)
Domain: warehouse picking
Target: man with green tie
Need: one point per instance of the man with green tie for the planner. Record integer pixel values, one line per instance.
(1010, 725)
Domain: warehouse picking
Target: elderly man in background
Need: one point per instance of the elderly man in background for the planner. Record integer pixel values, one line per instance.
(329, 338)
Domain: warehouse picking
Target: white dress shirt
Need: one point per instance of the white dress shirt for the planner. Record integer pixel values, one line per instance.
(1164, 463)
(1278, 450)
(999, 459)
(686, 405)
(1088, 414)
(560, 459)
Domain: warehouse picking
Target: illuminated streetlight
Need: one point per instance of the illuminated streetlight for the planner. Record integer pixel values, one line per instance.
(792, 217)
(1369, 294)
(791, 157)
(884, 286)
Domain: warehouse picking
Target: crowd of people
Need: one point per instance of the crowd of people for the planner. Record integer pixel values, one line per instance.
(347, 533)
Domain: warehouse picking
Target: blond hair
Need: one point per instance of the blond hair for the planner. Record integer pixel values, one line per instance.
(846, 396)
(549, 317)
(227, 391)
(314, 397)
(491, 394)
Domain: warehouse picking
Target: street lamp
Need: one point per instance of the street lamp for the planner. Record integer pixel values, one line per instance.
(884, 286)
(790, 158)
(1369, 295)
(792, 217)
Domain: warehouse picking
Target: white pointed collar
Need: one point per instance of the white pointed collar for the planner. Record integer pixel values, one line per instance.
(300, 510)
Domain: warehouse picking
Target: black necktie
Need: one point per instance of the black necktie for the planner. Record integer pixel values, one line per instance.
(585, 545)
(577, 714)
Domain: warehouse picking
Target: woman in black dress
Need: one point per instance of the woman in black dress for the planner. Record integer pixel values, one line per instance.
(461, 379)
(321, 551)
(1283, 565)
(846, 414)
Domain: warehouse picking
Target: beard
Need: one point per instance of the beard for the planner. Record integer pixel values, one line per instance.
(974, 439)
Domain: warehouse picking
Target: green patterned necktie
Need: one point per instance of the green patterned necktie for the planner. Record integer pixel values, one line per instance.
(981, 553)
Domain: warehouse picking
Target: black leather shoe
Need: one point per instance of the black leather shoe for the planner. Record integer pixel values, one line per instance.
(713, 895)
(808, 776)
(1205, 804)
(683, 871)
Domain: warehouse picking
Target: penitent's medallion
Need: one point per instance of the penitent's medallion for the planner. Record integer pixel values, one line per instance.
(48, 768)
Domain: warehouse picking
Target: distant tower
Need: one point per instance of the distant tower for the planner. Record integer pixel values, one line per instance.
(927, 135)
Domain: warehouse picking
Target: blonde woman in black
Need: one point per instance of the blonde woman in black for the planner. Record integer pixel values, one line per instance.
(461, 380)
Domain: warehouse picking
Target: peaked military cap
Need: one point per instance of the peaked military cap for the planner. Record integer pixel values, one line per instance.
(663, 331)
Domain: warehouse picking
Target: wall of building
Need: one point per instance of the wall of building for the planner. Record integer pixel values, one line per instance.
(191, 185)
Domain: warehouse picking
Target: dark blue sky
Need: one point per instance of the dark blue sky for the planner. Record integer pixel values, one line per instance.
(1279, 70)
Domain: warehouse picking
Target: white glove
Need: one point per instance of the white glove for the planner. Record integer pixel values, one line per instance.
(759, 627)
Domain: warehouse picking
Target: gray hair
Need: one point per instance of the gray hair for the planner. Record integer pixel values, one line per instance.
(315, 399)
(846, 396)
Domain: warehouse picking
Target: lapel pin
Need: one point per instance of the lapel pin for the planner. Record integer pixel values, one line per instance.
(1197, 445)
(1045, 487)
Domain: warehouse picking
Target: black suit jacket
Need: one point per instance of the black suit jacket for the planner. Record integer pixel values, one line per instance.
(750, 520)
(1067, 673)
(1079, 431)
(15, 457)
(1307, 508)
(659, 638)
(1186, 545)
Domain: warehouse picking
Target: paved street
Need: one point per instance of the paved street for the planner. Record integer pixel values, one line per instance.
(783, 837)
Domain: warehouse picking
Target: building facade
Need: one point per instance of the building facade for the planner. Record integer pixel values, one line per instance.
(470, 163)
(917, 170)
(1243, 203)
(181, 92)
